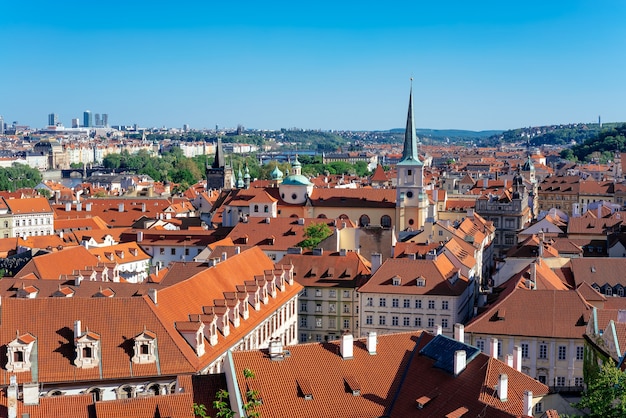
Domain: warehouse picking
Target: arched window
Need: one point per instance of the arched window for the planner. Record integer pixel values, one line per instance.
(344, 217)
(155, 388)
(385, 221)
(266, 209)
(96, 392)
(321, 216)
(364, 220)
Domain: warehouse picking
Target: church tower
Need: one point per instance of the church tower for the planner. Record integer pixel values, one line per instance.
(219, 175)
(411, 200)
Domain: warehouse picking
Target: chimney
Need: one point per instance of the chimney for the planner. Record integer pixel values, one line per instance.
(30, 393)
(57, 195)
(143, 207)
(533, 274)
(267, 220)
(78, 193)
(346, 345)
(470, 213)
(371, 342)
(505, 184)
(459, 333)
(224, 256)
(438, 329)
(343, 252)
(485, 182)
(152, 294)
(300, 221)
(12, 397)
(503, 387)
(460, 357)
(377, 260)
(493, 347)
(509, 360)
(600, 211)
(139, 236)
(68, 206)
(237, 250)
(120, 207)
(77, 329)
(517, 358)
(79, 207)
(88, 206)
(528, 403)
(276, 349)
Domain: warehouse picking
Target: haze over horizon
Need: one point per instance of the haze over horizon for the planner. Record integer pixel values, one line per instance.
(326, 65)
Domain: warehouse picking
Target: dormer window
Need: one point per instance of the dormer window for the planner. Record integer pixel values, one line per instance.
(18, 353)
(396, 280)
(145, 348)
(87, 350)
(420, 281)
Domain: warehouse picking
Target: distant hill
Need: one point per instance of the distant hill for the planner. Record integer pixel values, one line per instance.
(601, 147)
(450, 134)
(564, 135)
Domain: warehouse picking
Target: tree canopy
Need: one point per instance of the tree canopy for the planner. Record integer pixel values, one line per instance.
(605, 395)
(19, 176)
(314, 234)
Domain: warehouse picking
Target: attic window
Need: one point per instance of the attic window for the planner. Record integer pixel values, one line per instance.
(420, 282)
(87, 350)
(145, 348)
(501, 314)
(422, 401)
(305, 389)
(353, 385)
(18, 353)
(397, 281)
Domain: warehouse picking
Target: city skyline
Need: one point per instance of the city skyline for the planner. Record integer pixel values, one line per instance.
(323, 66)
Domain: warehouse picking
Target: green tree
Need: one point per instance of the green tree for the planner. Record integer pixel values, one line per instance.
(222, 406)
(605, 395)
(199, 410)
(314, 234)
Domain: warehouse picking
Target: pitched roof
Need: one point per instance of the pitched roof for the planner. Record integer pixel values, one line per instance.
(534, 313)
(386, 384)
(54, 266)
(328, 269)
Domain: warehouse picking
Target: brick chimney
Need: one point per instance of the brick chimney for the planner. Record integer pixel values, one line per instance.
(371, 342)
(346, 345)
(460, 361)
(503, 387)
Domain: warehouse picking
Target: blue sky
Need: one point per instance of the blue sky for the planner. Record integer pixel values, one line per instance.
(316, 65)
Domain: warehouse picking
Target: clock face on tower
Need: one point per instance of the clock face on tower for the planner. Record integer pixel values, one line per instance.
(409, 194)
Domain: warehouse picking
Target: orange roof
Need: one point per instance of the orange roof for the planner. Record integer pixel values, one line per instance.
(53, 266)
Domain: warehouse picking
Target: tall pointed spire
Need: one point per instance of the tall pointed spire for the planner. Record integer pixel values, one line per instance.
(409, 152)
(219, 155)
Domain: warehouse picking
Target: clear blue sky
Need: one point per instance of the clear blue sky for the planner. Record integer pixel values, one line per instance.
(319, 65)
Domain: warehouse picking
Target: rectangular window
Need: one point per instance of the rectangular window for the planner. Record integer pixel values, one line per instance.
(543, 351)
(580, 353)
(303, 337)
(444, 304)
(562, 352)
(418, 322)
(444, 323)
(318, 338)
(318, 293)
(304, 292)
(382, 302)
(346, 324)
(318, 322)
(431, 304)
(538, 408)
(303, 322)
(418, 304)
(186, 251)
(524, 350)
(332, 293)
(480, 344)
(394, 321)
(318, 307)
(431, 322)
(578, 381)
(395, 302)
(407, 303)
(406, 321)
(346, 308)
(332, 323)
(332, 308)
(346, 293)
(560, 380)
(382, 320)
(369, 320)
(303, 307)
(370, 302)
(162, 251)
(173, 251)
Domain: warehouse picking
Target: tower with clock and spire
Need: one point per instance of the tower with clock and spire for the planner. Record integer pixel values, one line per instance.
(411, 199)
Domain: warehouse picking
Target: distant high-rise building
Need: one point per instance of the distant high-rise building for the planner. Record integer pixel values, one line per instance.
(185, 127)
(105, 120)
(87, 119)
(53, 119)
(75, 123)
(97, 119)
(1, 125)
